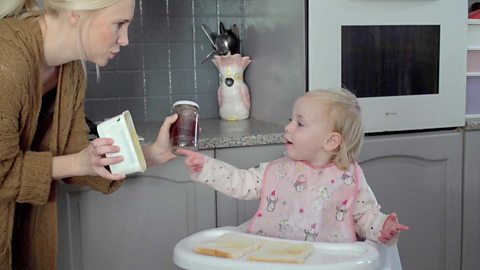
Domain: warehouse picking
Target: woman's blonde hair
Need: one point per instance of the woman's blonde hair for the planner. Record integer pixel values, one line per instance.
(344, 112)
(29, 8)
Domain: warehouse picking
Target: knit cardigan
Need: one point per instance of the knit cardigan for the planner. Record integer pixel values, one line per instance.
(28, 214)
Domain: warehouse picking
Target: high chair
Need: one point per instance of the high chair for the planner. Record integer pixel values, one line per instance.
(366, 255)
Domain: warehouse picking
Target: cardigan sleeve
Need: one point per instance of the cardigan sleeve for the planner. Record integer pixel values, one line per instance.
(78, 139)
(231, 181)
(25, 176)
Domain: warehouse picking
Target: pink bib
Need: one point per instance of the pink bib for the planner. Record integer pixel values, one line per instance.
(301, 202)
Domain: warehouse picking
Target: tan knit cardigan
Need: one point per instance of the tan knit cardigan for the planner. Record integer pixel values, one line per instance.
(28, 217)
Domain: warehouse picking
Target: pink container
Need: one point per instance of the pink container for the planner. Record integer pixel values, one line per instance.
(473, 61)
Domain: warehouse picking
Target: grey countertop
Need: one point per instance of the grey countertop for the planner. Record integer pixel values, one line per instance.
(472, 123)
(217, 133)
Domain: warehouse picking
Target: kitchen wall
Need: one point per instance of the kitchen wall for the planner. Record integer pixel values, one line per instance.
(163, 62)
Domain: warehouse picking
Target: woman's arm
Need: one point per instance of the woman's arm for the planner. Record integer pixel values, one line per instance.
(160, 151)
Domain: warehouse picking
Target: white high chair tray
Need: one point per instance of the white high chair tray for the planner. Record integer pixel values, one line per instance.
(325, 256)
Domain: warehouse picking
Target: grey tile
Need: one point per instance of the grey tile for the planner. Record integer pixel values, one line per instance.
(137, 8)
(182, 81)
(135, 105)
(135, 31)
(207, 80)
(156, 56)
(158, 108)
(99, 110)
(128, 84)
(211, 23)
(208, 106)
(180, 29)
(231, 7)
(103, 87)
(205, 7)
(130, 57)
(154, 8)
(180, 8)
(201, 53)
(181, 54)
(110, 66)
(157, 82)
(155, 29)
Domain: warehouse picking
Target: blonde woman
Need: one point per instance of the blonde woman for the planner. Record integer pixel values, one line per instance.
(43, 134)
(318, 191)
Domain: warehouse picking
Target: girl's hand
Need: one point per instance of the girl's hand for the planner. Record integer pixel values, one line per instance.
(194, 161)
(161, 151)
(391, 228)
(92, 160)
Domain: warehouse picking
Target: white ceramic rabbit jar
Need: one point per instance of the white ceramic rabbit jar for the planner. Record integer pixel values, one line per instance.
(233, 94)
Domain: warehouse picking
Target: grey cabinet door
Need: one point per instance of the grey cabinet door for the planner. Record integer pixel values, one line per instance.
(471, 202)
(419, 176)
(230, 211)
(137, 226)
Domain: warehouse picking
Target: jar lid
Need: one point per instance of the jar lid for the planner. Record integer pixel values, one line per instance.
(186, 102)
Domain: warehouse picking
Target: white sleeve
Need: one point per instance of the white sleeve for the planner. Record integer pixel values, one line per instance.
(231, 181)
(367, 217)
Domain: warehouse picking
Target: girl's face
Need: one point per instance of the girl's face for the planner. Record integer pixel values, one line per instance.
(107, 30)
(307, 133)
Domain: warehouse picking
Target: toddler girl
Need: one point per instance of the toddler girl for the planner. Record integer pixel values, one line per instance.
(318, 191)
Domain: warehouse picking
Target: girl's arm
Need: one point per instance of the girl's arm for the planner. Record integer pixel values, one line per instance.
(369, 222)
(223, 177)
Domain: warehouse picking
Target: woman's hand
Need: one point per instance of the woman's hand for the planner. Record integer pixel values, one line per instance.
(391, 228)
(194, 161)
(92, 160)
(160, 151)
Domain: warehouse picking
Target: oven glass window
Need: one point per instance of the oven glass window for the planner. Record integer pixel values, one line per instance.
(390, 60)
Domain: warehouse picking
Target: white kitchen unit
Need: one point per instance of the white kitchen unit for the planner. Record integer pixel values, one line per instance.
(405, 60)
(137, 226)
(471, 201)
(417, 175)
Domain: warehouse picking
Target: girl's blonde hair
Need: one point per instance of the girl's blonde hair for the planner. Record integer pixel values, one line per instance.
(344, 112)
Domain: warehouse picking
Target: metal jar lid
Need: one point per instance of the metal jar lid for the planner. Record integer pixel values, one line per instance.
(186, 102)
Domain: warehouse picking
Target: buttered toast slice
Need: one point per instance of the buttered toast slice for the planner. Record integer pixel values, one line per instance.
(229, 245)
(281, 252)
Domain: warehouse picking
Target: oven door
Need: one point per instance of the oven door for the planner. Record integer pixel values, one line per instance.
(405, 60)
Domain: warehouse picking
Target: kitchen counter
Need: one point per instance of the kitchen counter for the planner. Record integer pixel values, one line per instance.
(472, 123)
(217, 133)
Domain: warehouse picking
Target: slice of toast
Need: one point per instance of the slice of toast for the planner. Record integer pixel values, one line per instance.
(229, 245)
(281, 252)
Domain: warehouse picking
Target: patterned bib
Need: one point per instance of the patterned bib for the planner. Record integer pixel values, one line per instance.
(302, 202)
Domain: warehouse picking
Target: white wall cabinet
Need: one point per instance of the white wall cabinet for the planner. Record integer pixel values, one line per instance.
(471, 201)
(137, 226)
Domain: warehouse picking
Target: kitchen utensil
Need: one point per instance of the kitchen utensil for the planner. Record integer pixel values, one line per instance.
(227, 42)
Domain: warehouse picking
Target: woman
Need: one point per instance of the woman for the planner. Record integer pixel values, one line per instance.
(43, 134)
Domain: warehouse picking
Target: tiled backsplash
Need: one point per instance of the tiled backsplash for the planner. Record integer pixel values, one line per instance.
(163, 62)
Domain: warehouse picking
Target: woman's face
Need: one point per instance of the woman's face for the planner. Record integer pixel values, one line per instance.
(107, 30)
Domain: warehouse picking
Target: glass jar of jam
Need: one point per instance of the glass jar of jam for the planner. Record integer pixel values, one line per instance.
(184, 132)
